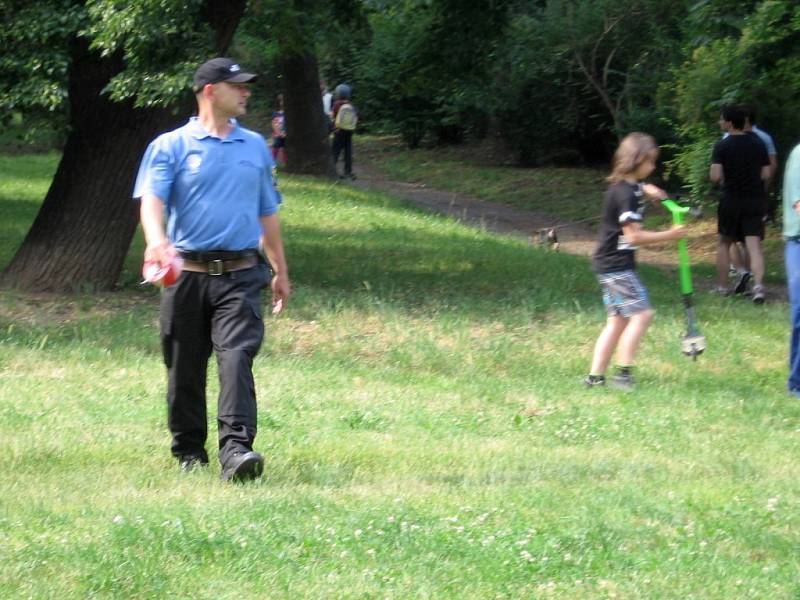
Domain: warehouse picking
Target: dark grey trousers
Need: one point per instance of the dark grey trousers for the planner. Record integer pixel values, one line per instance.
(343, 141)
(203, 313)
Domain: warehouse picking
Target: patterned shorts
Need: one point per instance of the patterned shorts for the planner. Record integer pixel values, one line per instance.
(623, 293)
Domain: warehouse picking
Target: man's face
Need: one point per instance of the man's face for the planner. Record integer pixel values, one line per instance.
(231, 98)
(723, 124)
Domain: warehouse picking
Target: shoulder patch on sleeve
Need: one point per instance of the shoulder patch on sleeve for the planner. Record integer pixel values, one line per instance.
(629, 216)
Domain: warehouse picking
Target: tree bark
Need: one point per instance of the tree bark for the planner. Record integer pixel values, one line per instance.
(83, 230)
(84, 227)
(307, 144)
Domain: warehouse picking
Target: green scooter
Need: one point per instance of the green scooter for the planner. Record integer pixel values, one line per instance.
(693, 343)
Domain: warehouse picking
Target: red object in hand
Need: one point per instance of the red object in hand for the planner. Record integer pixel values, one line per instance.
(154, 273)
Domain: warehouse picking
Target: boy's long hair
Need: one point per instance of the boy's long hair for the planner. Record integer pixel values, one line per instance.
(633, 150)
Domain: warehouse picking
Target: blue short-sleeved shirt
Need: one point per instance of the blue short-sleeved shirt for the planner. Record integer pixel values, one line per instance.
(214, 190)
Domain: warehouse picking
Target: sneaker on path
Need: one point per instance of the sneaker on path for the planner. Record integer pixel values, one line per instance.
(741, 282)
(758, 294)
(721, 291)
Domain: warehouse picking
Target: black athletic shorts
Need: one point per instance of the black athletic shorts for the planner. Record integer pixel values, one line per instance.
(738, 218)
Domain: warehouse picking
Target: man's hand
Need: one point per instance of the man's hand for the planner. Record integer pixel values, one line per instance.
(797, 207)
(162, 252)
(281, 289)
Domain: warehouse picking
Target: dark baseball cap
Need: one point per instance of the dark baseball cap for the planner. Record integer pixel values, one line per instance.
(217, 70)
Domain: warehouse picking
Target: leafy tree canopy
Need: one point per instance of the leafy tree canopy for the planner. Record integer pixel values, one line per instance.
(158, 40)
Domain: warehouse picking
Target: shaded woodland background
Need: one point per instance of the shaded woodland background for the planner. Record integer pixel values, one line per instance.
(546, 82)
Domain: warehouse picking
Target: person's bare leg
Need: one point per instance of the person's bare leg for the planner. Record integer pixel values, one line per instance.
(739, 257)
(723, 261)
(745, 255)
(632, 336)
(753, 243)
(606, 342)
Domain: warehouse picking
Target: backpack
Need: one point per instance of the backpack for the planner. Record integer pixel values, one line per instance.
(346, 118)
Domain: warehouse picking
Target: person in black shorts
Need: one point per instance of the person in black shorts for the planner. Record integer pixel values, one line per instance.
(741, 165)
(625, 298)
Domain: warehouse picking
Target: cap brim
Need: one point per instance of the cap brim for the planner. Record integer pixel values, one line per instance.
(241, 78)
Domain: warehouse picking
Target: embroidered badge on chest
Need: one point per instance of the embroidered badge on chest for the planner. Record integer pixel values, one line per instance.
(193, 162)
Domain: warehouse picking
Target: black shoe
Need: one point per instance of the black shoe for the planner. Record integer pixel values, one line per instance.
(243, 466)
(741, 283)
(594, 381)
(622, 381)
(192, 462)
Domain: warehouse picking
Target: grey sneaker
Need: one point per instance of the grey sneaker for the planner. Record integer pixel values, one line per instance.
(622, 382)
(721, 291)
(741, 282)
(758, 294)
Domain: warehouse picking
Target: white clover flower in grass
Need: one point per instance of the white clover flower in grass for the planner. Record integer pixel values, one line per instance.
(357, 533)
(119, 520)
(525, 555)
(772, 504)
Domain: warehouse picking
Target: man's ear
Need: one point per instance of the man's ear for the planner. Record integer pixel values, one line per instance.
(207, 92)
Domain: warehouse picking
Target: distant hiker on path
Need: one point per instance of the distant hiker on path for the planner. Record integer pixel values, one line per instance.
(345, 119)
(740, 164)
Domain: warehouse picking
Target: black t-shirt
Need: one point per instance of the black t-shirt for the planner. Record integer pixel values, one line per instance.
(623, 205)
(742, 157)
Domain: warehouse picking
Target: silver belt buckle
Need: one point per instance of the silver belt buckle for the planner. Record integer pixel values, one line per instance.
(215, 267)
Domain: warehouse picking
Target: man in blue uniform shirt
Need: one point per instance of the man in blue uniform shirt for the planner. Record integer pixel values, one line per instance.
(207, 194)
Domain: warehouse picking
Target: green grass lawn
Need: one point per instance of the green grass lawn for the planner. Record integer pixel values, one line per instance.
(425, 431)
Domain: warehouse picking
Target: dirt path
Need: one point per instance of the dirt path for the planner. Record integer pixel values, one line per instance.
(575, 238)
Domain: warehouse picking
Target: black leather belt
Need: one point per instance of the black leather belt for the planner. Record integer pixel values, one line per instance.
(215, 255)
(219, 267)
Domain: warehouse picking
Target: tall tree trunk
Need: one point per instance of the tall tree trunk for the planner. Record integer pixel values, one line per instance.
(84, 227)
(307, 146)
(83, 230)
